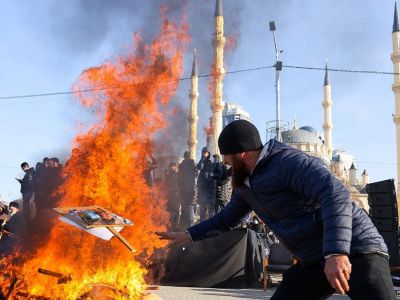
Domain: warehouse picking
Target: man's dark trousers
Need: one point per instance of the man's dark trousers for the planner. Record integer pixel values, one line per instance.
(370, 279)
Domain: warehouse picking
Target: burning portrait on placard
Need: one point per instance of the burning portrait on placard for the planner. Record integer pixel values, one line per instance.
(92, 216)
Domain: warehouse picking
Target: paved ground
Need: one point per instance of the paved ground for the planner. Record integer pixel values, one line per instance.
(185, 293)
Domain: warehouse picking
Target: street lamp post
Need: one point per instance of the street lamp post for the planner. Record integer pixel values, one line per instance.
(278, 69)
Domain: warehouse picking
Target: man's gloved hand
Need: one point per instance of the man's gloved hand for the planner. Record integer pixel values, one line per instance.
(337, 271)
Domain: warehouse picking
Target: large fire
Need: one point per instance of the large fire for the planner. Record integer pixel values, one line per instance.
(106, 169)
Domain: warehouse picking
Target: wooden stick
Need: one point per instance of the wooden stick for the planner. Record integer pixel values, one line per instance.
(121, 238)
(50, 273)
(265, 271)
(61, 278)
(11, 288)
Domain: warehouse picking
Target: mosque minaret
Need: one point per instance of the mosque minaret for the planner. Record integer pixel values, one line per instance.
(218, 73)
(327, 105)
(193, 116)
(396, 87)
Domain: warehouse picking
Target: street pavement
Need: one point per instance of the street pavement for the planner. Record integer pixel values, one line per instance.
(188, 293)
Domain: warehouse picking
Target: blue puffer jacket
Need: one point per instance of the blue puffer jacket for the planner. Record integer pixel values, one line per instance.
(306, 206)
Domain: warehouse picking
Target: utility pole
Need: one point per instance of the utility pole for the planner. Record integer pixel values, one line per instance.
(278, 69)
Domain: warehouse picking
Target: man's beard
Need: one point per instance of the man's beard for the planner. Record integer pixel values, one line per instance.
(239, 172)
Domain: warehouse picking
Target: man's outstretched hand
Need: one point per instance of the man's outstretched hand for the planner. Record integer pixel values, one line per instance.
(337, 271)
(174, 237)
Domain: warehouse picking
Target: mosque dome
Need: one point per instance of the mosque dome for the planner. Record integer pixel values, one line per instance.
(309, 129)
(301, 136)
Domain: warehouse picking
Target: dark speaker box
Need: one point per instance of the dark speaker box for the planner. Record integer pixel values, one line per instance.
(381, 186)
(382, 199)
(383, 212)
(392, 242)
(386, 224)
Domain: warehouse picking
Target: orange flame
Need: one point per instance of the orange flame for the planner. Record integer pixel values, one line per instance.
(106, 169)
(232, 40)
(208, 131)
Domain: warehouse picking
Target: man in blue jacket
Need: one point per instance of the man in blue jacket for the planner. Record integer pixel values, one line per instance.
(309, 210)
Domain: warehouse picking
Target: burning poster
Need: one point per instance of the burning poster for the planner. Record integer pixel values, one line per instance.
(97, 221)
(92, 216)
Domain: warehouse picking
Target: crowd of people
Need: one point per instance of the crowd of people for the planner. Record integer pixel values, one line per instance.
(195, 192)
(38, 190)
(201, 189)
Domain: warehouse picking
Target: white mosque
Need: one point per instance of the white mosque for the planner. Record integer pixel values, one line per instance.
(305, 138)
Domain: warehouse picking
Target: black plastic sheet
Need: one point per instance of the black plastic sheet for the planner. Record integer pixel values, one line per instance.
(231, 260)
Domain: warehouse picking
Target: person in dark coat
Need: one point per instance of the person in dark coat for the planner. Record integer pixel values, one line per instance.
(222, 175)
(15, 224)
(55, 181)
(3, 212)
(13, 230)
(148, 173)
(28, 189)
(310, 211)
(48, 180)
(186, 178)
(171, 185)
(206, 185)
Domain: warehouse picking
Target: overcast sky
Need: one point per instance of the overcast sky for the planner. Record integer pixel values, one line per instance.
(45, 45)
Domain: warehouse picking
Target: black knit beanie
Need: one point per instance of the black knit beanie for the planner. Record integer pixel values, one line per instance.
(239, 136)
